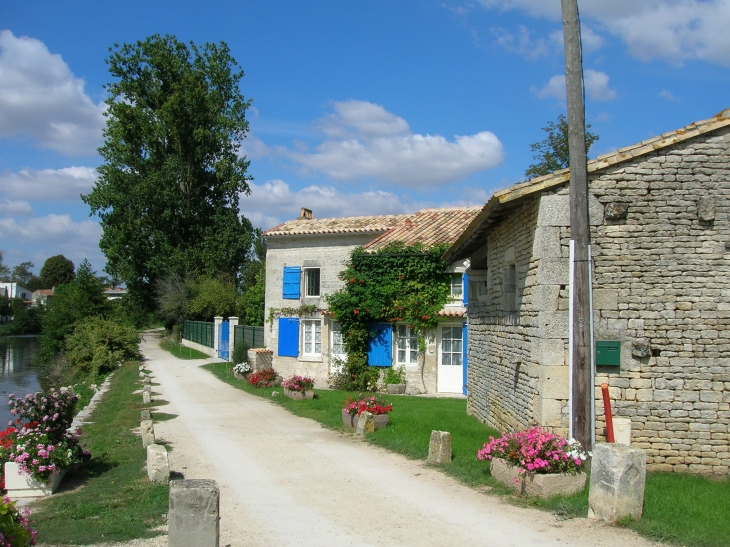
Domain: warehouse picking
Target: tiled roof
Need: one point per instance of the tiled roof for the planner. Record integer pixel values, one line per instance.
(429, 226)
(460, 312)
(342, 225)
(501, 201)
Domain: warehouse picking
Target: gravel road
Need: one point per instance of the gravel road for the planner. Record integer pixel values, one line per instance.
(285, 480)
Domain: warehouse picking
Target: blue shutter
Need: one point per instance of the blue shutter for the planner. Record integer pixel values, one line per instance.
(380, 347)
(292, 274)
(465, 288)
(288, 336)
(465, 350)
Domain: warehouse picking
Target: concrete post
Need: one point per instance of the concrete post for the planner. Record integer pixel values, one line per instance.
(439, 448)
(146, 397)
(232, 324)
(193, 513)
(217, 321)
(365, 424)
(618, 475)
(147, 430)
(158, 464)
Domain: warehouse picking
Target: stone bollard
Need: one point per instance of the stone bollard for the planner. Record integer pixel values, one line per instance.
(193, 514)
(618, 474)
(147, 388)
(142, 374)
(158, 465)
(146, 398)
(145, 415)
(147, 429)
(366, 424)
(439, 448)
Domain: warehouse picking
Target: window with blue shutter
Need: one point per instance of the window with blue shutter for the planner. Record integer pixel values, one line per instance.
(288, 336)
(292, 275)
(380, 347)
(465, 284)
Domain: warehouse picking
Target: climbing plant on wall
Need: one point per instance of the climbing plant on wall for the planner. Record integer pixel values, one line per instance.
(398, 283)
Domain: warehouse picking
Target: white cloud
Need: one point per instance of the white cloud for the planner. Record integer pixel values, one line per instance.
(522, 43)
(281, 203)
(11, 208)
(672, 30)
(366, 141)
(65, 184)
(41, 99)
(668, 95)
(595, 82)
(37, 238)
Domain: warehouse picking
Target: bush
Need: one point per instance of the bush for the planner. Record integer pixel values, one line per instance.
(355, 375)
(395, 375)
(240, 353)
(25, 321)
(99, 346)
(15, 530)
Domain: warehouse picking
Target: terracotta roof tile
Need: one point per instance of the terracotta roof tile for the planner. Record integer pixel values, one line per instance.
(341, 225)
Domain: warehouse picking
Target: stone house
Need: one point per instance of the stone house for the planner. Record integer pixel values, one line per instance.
(661, 297)
(303, 260)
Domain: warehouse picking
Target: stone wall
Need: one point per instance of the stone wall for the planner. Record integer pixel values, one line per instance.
(661, 251)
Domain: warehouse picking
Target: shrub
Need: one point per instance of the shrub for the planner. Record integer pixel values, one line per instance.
(15, 530)
(99, 346)
(240, 353)
(355, 375)
(395, 375)
(536, 450)
(298, 383)
(263, 378)
(242, 368)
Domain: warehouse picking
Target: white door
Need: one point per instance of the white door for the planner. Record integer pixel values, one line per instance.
(451, 367)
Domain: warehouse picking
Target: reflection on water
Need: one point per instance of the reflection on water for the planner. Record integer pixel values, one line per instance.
(19, 372)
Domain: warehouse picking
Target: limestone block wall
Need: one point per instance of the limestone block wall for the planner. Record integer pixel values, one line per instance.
(662, 285)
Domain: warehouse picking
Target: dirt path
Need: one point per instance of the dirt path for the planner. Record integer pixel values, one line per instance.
(285, 480)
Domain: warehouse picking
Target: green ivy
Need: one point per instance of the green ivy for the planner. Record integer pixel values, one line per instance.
(302, 311)
(398, 283)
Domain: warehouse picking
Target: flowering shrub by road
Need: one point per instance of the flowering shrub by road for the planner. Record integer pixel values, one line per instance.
(263, 378)
(15, 530)
(536, 450)
(242, 368)
(369, 404)
(298, 383)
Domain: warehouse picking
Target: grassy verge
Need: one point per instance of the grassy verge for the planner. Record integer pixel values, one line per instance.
(681, 509)
(109, 498)
(180, 351)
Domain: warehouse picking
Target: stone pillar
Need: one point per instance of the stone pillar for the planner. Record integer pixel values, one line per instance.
(618, 474)
(158, 465)
(193, 513)
(439, 448)
(147, 429)
(146, 398)
(145, 415)
(232, 324)
(366, 424)
(217, 321)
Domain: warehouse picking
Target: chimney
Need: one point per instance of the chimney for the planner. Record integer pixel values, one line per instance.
(306, 214)
(409, 224)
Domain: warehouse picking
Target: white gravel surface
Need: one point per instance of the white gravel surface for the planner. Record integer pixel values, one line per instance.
(285, 480)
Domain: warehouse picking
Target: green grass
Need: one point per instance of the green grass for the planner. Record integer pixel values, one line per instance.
(109, 498)
(180, 351)
(679, 509)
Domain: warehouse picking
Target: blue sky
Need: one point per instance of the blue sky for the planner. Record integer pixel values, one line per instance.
(358, 107)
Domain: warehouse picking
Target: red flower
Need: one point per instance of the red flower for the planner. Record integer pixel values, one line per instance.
(352, 280)
(424, 317)
(355, 312)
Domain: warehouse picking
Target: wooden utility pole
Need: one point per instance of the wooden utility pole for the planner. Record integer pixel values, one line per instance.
(581, 355)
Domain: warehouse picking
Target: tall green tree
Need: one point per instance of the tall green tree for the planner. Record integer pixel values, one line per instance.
(57, 270)
(4, 270)
(168, 190)
(22, 273)
(552, 152)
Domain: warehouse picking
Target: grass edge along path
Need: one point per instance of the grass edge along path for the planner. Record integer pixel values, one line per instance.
(109, 498)
(181, 352)
(679, 509)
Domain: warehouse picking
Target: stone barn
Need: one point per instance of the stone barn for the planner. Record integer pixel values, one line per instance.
(661, 297)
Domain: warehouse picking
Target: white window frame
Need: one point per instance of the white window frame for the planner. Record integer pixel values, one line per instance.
(410, 338)
(334, 332)
(441, 345)
(315, 328)
(306, 292)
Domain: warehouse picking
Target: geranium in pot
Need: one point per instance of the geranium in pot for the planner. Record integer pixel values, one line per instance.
(536, 462)
(352, 408)
(298, 387)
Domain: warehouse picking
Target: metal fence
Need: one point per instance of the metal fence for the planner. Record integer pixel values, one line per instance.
(199, 332)
(253, 337)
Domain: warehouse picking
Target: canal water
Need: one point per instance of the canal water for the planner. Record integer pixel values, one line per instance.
(19, 371)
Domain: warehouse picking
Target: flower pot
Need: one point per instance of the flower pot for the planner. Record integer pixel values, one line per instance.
(537, 484)
(298, 395)
(22, 485)
(381, 420)
(396, 389)
(243, 376)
